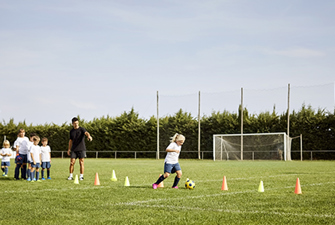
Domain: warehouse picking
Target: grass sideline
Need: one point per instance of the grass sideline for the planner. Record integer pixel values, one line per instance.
(59, 201)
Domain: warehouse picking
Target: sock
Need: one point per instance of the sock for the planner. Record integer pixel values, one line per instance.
(42, 173)
(176, 181)
(48, 172)
(81, 175)
(23, 172)
(17, 171)
(160, 179)
(37, 175)
(3, 169)
(6, 170)
(71, 174)
(28, 173)
(32, 175)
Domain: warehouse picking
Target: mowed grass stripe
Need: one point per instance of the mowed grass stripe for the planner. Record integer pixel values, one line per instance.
(235, 211)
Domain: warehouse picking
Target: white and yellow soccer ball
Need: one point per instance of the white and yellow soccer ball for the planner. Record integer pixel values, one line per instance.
(189, 184)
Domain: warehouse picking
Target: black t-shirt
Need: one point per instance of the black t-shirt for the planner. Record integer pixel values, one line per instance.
(78, 139)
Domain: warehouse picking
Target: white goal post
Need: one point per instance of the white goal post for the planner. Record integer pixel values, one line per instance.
(256, 146)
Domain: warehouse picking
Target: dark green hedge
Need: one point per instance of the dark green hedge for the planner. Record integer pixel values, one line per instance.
(129, 132)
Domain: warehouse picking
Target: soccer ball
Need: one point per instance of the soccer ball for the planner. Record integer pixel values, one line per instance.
(190, 184)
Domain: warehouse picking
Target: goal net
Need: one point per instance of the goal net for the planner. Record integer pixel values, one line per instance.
(256, 146)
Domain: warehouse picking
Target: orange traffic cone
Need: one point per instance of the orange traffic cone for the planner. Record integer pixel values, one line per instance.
(297, 187)
(224, 184)
(96, 182)
(161, 184)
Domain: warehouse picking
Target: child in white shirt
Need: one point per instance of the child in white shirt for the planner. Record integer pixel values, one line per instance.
(6, 152)
(171, 164)
(46, 158)
(35, 153)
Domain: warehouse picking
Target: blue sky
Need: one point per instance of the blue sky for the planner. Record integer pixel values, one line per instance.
(59, 59)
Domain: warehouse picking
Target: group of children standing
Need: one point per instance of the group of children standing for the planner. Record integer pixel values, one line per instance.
(27, 152)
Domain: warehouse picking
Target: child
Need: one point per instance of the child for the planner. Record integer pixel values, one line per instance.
(6, 152)
(29, 161)
(46, 158)
(35, 153)
(21, 145)
(171, 164)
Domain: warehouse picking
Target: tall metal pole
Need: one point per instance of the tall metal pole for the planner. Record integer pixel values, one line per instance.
(288, 155)
(242, 123)
(199, 127)
(301, 147)
(157, 153)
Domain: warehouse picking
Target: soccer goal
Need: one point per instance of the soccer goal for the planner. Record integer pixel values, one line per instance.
(256, 146)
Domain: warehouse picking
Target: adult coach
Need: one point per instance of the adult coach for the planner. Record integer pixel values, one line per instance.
(77, 148)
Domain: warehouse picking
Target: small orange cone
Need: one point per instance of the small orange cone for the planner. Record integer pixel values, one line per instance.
(297, 187)
(224, 184)
(161, 184)
(97, 181)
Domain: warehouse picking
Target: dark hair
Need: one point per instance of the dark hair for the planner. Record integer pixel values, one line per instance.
(32, 134)
(74, 119)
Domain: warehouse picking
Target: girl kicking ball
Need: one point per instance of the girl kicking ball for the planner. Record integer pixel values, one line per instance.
(171, 164)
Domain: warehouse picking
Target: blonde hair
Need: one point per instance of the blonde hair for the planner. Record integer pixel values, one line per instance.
(6, 142)
(177, 137)
(36, 138)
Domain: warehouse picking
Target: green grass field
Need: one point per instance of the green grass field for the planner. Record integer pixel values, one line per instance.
(59, 201)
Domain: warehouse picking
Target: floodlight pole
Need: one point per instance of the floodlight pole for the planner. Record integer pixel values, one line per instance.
(157, 153)
(199, 128)
(288, 154)
(301, 147)
(242, 123)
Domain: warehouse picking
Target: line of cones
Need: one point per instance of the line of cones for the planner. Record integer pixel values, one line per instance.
(97, 181)
(224, 186)
(297, 190)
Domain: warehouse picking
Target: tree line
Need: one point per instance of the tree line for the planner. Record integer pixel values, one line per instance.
(129, 132)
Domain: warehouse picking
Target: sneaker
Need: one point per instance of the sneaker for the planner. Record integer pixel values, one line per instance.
(154, 186)
(3, 174)
(43, 178)
(6, 175)
(49, 178)
(81, 178)
(34, 179)
(38, 181)
(28, 179)
(175, 187)
(70, 178)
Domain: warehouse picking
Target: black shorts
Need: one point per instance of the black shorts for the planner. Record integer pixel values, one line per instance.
(76, 155)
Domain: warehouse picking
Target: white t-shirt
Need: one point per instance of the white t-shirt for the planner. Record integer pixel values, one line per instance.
(35, 150)
(6, 151)
(45, 153)
(29, 147)
(23, 144)
(172, 157)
